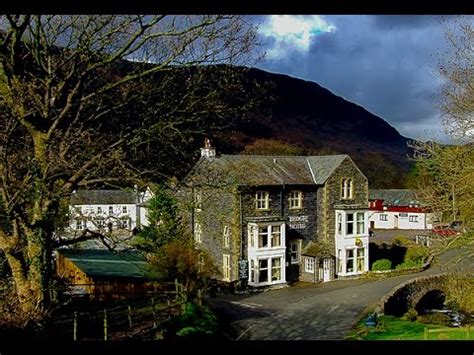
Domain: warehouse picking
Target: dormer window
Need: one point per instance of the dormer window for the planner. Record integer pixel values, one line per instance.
(347, 189)
(296, 200)
(262, 199)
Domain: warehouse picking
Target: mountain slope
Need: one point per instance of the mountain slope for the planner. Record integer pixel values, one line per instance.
(304, 114)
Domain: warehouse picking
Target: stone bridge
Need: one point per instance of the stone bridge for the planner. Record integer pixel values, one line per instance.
(409, 294)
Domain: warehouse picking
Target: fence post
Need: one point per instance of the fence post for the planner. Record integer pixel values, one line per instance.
(105, 323)
(153, 311)
(75, 326)
(176, 289)
(426, 333)
(199, 297)
(129, 316)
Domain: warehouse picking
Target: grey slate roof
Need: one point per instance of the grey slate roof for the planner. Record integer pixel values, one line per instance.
(394, 197)
(103, 197)
(106, 264)
(270, 170)
(318, 249)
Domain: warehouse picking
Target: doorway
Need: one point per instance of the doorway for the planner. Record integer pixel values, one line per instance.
(395, 222)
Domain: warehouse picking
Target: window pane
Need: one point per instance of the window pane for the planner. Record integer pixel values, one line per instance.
(350, 265)
(350, 217)
(276, 269)
(350, 253)
(263, 270)
(263, 237)
(350, 228)
(360, 252)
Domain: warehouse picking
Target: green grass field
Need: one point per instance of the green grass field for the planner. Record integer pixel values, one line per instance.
(392, 328)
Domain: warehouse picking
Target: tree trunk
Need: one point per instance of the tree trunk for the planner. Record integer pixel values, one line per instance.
(31, 272)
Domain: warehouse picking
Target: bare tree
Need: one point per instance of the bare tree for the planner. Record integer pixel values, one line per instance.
(457, 69)
(445, 173)
(76, 113)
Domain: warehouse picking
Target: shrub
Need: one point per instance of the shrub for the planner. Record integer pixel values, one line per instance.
(382, 264)
(402, 241)
(195, 322)
(409, 264)
(411, 315)
(416, 253)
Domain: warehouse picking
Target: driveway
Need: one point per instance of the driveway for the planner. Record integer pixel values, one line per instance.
(307, 311)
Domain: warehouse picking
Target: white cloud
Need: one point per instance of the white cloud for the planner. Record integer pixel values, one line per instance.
(293, 31)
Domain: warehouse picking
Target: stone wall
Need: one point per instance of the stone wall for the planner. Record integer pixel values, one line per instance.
(330, 195)
(408, 294)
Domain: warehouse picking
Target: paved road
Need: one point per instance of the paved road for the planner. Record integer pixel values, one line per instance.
(306, 311)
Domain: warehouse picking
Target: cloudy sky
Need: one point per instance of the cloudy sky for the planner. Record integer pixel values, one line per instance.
(386, 64)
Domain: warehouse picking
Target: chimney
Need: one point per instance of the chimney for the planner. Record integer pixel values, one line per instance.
(208, 151)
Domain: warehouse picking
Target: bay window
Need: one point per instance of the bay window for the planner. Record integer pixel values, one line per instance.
(269, 236)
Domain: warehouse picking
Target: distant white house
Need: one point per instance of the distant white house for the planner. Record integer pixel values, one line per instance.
(108, 210)
(397, 209)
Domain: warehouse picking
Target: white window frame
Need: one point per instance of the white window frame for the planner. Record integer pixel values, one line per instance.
(354, 260)
(309, 265)
(197, 232)
(279, 268)
(339, 261)
(413, 218)
(111, 209)
(383, 217)
(360, 260)
(252, 271)
(360, 223)
(295, 201)
(253, 235)
(262, 200)
(99, 209)
(124, 209)
(124, 224)
(353, 223)
(347, 188)
(226, 267)
(339, 223)
(226, 237)
(297, 244)
(80, 224)
(270, 232)
(198, 202)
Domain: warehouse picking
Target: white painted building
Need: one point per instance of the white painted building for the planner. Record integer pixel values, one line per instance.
(352, 242)
(108, 210)
(397, 209)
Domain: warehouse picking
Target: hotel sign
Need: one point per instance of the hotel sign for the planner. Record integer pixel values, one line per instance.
(297, 222)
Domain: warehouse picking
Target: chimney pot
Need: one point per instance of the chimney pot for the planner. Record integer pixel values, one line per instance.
(208, 151)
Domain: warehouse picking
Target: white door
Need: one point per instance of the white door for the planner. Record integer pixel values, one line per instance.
(326, 270)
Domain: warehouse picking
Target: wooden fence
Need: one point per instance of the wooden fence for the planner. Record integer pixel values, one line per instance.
(85, 319)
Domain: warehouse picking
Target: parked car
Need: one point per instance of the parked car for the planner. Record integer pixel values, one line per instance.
(445, 230)
(458, 226)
